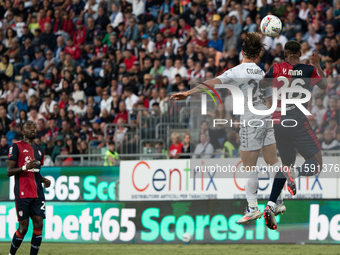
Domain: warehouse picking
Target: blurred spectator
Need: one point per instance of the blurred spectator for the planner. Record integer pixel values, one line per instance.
(231, 148)
(6, 69)
(65, 161)
(11, 133)
(4, 147)
(318, 110)
(331, 111)
(123, 113)
(111, 156)
(41, 129)
(204, 149)
(176, 147)
(329, 142)
(186, 146)
(131, 99)
(5, 120)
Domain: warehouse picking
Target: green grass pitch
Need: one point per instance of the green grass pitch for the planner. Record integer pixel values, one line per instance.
(175, 249)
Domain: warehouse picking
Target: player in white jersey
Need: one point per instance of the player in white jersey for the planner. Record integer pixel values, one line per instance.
(259, 135)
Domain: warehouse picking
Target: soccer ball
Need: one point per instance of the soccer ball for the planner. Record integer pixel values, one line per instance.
(186, 238)
(271, 25)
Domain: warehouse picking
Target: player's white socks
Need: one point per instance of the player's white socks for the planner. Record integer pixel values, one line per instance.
(279, 199)
(271, 205)
(251, 186)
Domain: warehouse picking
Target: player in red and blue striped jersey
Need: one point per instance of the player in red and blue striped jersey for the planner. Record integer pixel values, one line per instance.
(300, 137)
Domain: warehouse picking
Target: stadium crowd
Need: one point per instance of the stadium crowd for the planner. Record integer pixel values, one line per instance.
(73, 66)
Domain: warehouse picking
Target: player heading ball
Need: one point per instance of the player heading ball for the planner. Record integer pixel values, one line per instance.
(252, 139)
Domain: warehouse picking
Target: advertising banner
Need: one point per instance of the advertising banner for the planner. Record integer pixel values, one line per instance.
(71, 183)
(207, 221)
(178, 180)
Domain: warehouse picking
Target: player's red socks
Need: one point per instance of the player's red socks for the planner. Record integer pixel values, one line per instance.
(16, 242)
(36, 241)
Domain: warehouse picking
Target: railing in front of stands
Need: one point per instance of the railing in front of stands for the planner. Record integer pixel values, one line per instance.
(98, 159)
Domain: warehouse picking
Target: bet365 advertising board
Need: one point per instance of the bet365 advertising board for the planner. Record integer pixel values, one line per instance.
(199, 179)
(207, 221)
(71, 184)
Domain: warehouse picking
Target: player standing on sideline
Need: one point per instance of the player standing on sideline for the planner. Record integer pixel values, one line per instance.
(24, 162)
(253, 139)
(301, 137)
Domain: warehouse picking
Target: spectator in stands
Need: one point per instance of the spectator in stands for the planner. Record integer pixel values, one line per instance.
(90, 32)
(331, 111)
(11, 133)
(65, 161)
(215, 42)
(122, 114)
(89, 117)
(111, 156)
(102, 21)
(47, 38)
(329, 142)
(279, 10)
(4, 147)
(116, 16)
(318, 110)
(34, 115)
(83, 148)
(21, 105)
(49, 64)
(132, 32)
(176, 147)
(37, 63)
(120, 133)
(41, 129)
(204, 149)
(6, 69)
(131, 98)
(186, 146)
(231, 148)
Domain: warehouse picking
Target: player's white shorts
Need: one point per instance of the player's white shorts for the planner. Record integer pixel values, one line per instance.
(254, 138)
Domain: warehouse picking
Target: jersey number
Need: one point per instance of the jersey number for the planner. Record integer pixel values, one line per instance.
(295, 83)
(255, 89)
(43, 206)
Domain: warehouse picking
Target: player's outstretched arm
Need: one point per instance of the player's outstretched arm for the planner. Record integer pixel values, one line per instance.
(13, 170)
(184, 95)
(315, 60)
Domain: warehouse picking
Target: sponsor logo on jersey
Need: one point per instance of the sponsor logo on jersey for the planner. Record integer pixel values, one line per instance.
(27, 160)
(39, 153)
(25, 151)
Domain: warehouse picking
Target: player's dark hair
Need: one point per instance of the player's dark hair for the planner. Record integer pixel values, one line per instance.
(293, 46)
(23, 125)
(252, 45)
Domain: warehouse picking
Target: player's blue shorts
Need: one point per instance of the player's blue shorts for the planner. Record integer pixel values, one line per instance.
(28, 207)
(300, 138)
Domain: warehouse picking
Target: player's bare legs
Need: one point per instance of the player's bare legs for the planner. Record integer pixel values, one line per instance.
(37, 234)
(249, 159)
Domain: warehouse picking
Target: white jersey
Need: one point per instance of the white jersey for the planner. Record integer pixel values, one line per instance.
(244, 76)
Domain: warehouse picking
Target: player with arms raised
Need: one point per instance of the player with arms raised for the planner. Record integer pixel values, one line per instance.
(24, 162)
(253, 139)
(300, 137)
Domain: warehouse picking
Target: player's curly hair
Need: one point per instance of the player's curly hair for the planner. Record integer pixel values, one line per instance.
(252, 45)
